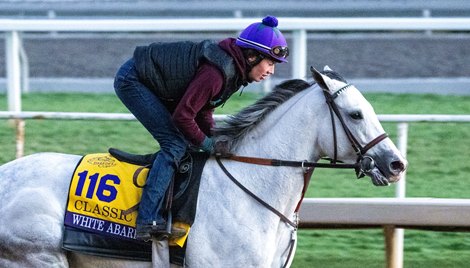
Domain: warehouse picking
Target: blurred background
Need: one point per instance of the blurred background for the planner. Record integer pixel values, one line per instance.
(378, 62)
(390, 61)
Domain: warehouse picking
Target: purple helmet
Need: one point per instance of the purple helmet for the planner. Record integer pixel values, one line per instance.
(266, 38)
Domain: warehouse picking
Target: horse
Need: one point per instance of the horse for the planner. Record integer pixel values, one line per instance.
(249, 222)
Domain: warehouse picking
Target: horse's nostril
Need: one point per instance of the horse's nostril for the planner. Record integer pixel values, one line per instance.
(397, 166)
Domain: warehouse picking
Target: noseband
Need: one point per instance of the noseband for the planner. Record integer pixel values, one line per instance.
(362, 166)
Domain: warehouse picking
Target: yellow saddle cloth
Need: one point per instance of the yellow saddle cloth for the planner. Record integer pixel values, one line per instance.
(104, 195)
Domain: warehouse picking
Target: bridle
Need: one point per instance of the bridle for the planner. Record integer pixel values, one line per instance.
(360, 150)
(363, 165)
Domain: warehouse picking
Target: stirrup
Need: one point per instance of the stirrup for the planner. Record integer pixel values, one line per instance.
(174, 232)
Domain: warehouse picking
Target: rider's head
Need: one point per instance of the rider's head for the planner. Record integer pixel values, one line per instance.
(265, 40)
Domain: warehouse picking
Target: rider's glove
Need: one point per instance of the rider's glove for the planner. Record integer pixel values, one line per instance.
(222, 146)
(207, 145)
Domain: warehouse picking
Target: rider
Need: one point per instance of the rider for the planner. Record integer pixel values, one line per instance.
(173, 89)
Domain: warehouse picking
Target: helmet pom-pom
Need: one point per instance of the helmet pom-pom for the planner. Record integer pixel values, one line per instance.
(270, 21)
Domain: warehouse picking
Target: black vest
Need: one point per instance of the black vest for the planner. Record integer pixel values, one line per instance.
(168, 68)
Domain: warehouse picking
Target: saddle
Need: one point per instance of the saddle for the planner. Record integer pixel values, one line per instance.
(136, 159)
(184, 195)
(185, 184)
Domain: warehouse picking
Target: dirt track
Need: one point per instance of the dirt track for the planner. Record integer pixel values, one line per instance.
(377, 56)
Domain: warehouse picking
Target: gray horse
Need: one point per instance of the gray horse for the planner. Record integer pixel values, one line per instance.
(231, 228)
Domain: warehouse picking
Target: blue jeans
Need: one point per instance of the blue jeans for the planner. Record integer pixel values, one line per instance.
(156, 118)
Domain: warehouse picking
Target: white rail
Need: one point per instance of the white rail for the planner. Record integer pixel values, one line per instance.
(391, 214)
(233, 24)
(297, 26)
(424, 213)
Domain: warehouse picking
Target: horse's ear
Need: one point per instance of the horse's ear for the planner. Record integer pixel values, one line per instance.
(321, 79)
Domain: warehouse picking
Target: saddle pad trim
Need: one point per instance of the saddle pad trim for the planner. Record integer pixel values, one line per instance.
(104, 246)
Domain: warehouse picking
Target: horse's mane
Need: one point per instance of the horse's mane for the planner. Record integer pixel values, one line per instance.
(236, 126)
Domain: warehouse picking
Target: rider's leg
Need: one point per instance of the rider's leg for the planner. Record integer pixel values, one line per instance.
(156, 118)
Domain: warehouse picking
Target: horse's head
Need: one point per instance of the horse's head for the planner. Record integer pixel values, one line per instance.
(357, 133)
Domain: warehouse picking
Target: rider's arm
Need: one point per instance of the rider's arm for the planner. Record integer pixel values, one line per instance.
(206, 84)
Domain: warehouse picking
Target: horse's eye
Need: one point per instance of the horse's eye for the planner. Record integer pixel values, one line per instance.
(356, 115)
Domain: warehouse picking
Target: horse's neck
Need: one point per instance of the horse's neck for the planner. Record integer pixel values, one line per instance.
(290, 132)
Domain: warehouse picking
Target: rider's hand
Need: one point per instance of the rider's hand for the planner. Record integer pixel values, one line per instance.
(207, 145)
(222, 146)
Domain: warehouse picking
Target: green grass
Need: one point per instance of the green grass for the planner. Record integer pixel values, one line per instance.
(438, 154)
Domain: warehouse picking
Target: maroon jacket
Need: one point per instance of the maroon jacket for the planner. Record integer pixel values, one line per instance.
(193, 115)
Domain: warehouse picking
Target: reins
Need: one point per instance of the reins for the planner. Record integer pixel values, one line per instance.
(307, 167)
(308, 171)
(288, 163)
(282, 216)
